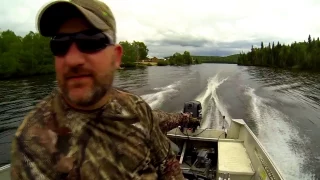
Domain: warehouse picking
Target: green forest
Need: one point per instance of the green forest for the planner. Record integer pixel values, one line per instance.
(178, 59)
(133, 52)
(31, 55)
(24, 56)
(299, 55)
(232, 59)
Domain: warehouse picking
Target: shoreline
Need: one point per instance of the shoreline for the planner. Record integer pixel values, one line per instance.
(144, 65)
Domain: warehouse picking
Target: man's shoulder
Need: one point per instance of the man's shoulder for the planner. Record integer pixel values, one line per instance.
(38, 114)
(133, 103)
(128, 97)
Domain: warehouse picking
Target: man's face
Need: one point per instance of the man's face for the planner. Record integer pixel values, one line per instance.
(84, 78)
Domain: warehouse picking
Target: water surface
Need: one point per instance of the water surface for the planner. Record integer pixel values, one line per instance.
(281, 107)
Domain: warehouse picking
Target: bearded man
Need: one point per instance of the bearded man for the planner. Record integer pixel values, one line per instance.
(87, 129)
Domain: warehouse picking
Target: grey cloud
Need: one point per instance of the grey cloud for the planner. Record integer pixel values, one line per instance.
(19, 15)
(197, 46)
(18, 29)
(170, 37)
(180, 41)
(164, 50)
(172, 42)
(243, 43)
(169, 42)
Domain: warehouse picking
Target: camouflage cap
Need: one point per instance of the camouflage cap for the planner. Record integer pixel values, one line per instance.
(96, 12)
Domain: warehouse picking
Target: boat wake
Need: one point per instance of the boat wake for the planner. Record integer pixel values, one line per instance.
(276, 134)
(155, 100)
(212, 108)
(162, 94)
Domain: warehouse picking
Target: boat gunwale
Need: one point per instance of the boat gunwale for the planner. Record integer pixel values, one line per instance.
(264, 151)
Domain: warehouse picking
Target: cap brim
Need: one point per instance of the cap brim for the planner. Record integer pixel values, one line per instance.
(54, 14)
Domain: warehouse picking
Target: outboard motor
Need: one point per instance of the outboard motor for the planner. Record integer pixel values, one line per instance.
(195, 109)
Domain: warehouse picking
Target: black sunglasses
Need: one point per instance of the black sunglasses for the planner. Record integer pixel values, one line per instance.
(89, 41)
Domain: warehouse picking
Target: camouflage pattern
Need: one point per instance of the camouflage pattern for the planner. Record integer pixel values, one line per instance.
(101, 10)
(121, 140)
(169, 121)
(95, 11)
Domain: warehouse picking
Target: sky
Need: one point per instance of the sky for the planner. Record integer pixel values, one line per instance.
(202, 27)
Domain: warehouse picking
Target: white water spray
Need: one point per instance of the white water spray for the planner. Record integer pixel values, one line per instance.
(155, 100)
(212, 108)
(275, 133)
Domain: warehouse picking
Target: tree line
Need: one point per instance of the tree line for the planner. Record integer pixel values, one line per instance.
(24, 56)
(178, 59)
(232, 59)
(299, 55)
(186, 58)
(31, 55)
(133, 52)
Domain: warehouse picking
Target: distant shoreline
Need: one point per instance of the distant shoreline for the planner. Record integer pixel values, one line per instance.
(154, 64)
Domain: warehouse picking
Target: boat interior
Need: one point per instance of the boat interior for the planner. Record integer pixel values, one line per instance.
(213, 154)
(211, 157)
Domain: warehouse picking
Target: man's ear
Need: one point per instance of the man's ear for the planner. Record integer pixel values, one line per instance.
(118, 52)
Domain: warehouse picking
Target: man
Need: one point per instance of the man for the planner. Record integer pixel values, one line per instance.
(86, 129)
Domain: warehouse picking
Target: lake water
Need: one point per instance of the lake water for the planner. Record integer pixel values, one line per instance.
(281, 107)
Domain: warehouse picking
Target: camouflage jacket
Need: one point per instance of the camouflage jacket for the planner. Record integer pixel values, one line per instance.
(118, 141)
(169, 121)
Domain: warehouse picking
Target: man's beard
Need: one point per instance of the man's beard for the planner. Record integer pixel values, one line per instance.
(96, 93)
(101, 85)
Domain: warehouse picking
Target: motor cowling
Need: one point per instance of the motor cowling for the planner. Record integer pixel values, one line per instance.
(194, 108)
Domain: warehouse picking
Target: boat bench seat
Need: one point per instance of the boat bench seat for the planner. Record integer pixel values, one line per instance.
(234, 160)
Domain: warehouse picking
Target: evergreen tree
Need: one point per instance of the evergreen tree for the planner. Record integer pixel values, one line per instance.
(300, 55)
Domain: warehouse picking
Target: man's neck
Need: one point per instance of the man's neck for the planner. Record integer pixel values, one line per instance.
(104, 100)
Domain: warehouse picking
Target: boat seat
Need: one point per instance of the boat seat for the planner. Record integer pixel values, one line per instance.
(234, 160)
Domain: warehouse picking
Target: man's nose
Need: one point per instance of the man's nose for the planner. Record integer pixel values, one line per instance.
(74, 56)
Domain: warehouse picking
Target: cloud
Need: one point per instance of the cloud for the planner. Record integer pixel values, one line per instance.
(202, 27)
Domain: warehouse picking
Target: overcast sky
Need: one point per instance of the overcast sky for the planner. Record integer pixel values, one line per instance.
(203, 27)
